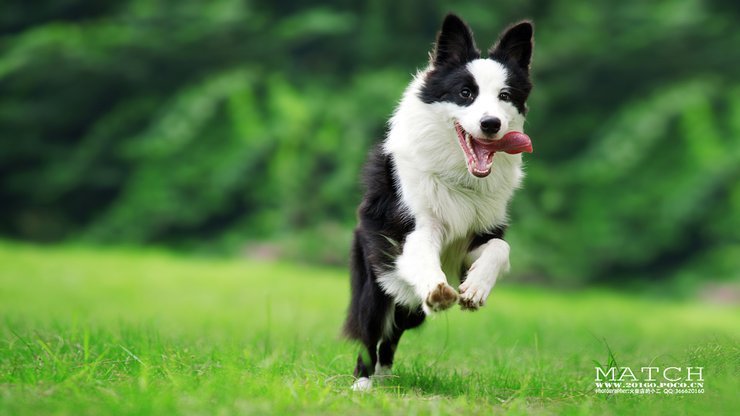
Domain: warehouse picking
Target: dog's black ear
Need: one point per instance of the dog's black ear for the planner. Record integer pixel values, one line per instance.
(455, 45)
(515, 45)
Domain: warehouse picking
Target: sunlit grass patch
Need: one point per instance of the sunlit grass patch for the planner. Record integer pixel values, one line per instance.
(89, 331)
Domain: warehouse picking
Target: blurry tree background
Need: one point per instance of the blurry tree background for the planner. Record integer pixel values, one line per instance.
(218, 125)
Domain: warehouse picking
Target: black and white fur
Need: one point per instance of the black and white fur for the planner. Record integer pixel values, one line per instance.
(424, 217)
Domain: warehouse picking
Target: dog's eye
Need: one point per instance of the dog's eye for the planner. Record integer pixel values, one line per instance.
(504, 96)
(466, 93)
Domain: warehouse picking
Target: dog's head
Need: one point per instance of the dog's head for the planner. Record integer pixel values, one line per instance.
(483, 98)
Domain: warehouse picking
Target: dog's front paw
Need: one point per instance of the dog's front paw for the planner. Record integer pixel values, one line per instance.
(440, 297)
(473, 295)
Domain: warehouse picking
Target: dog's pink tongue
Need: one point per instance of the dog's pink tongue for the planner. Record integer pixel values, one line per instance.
(512, 143)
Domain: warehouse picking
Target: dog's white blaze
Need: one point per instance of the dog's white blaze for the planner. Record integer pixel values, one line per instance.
(445, 200)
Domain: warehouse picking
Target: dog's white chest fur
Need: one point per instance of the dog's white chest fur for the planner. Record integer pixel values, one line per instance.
(460, 203)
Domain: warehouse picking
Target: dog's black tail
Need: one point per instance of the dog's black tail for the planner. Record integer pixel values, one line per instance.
(351, 327)
(368, 304)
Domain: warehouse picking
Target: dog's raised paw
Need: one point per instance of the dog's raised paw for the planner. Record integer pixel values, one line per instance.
(441, 297)
(472, 297)
(468, 304)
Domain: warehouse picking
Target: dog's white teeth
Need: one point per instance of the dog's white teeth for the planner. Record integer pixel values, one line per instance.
(469, 142)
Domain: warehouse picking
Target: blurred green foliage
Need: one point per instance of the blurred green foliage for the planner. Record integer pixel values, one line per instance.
(211, 124)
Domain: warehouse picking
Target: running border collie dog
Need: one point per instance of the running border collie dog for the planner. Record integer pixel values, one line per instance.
(436, 197)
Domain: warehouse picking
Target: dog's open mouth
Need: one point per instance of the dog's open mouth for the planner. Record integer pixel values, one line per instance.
(479, 152)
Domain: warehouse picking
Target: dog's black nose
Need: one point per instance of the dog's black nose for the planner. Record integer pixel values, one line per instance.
(490, 125)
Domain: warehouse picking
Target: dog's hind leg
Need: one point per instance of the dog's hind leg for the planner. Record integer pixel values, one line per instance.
(403, 319)
(366, 361)
(367, 311)
(373, 325)
(386, 351)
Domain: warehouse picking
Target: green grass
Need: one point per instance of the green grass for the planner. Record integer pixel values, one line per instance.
(86, 331)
